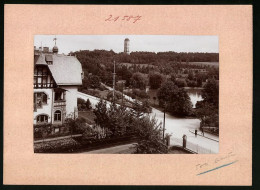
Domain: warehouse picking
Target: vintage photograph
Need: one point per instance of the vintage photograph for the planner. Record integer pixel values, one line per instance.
(126, 94)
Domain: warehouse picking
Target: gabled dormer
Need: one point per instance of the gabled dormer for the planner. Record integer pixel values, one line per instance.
(49, 59)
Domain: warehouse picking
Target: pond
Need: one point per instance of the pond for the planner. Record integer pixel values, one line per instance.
(195, 95)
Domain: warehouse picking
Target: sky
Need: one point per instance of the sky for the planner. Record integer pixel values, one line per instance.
(151, 43)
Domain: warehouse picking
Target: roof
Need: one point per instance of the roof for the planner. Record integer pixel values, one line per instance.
(40, 60)
(66, 70)
(48, 58)
(36, 57)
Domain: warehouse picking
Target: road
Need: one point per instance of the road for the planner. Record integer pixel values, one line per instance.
(122, 149)
(177, 127)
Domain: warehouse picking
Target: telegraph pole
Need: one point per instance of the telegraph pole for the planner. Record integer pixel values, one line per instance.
(164, 120)
(114, 78)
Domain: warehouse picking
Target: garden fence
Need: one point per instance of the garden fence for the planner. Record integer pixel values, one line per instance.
(190, 146)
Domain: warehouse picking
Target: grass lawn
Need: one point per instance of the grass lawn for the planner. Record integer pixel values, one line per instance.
(103, 94)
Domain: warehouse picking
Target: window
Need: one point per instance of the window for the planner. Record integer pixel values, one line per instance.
(42, 77)
(59, 96)
(42, 119)
(57, 115)
(40, 98)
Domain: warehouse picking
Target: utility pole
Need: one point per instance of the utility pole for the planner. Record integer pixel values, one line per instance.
(123, 84)
(164, 119)
(114, 77)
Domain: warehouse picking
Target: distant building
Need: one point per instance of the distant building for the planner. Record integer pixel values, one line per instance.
(126, 46)
(198, 70)
(56, 81)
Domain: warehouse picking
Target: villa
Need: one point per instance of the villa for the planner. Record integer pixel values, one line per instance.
(56, 81)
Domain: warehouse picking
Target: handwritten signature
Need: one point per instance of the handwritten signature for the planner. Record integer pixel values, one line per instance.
(130, 18)
(212, 165)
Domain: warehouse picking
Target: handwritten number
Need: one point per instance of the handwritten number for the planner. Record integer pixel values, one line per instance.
(115, 19)
(137, 18)
(126, 18)
(108, 19)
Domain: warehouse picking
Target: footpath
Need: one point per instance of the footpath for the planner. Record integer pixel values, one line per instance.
(57, 138)
(207, 135)
(121, 149)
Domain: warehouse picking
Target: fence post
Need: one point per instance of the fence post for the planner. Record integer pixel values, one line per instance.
(184, 141)
(168, 140)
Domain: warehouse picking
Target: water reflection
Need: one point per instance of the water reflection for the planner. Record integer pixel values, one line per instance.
(195, 95)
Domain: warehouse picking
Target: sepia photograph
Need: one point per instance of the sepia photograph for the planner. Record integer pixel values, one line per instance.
(126, 94)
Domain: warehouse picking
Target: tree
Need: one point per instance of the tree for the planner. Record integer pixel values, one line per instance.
(181, 83)
(154, 99)
(191, 75)
(88, 104)
(138, 80)
(116, 97)
(208, 114)
(164, 93)
(140, 108)
(173, 77)
(150, 135)
(101, 113)
(210, 93)
(94, 81)
(119, 121)
(175, 100)
(207, 109)
(155, 80)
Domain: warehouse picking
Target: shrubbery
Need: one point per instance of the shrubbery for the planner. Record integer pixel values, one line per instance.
(42, 131)
(118, 120)
(83, 105)
(63, 145)
(140, 93)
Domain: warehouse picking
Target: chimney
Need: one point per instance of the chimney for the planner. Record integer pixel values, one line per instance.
(45, 49)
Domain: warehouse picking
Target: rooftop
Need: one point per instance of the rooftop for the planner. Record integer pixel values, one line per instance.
(66, 70)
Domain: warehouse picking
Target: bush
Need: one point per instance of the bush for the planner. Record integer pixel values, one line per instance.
(47, 131)
(110, 96)
(181, 83)
(102, 88)
(130, 94)
(63, 145)
(76, 125)
(83, 105)
(150, 134)
(140, 93)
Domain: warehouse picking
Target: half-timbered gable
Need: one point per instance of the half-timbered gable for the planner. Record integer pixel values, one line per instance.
(56, 81)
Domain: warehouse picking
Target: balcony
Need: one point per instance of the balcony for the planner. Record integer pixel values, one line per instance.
(59, 103)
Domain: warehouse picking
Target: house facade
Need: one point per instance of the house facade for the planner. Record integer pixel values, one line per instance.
(56, 81)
